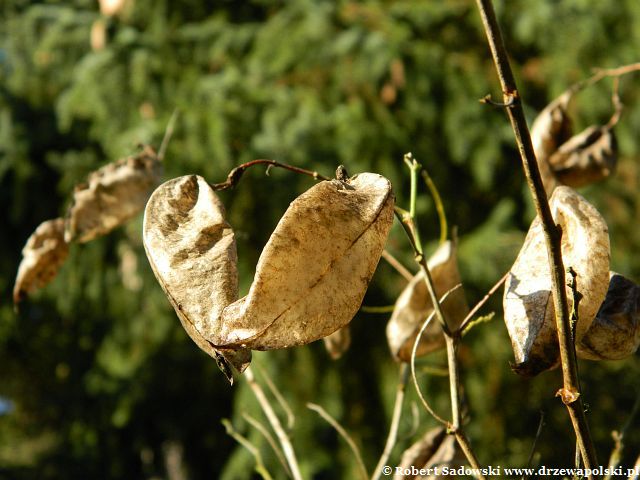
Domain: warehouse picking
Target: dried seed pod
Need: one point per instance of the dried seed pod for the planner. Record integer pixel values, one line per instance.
(414, 306)
(112, 195)
(551, 128)
(338, 342)
(528, 302)
(192, 251)
(310, 279)
(615, 332)
(587, 157)
(42, 256)
(314, 271)
(435, 448)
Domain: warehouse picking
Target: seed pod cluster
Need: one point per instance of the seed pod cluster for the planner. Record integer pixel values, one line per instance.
(577, 160)
(529, 313)
(311, 276)
(414, 306)
(112, 195)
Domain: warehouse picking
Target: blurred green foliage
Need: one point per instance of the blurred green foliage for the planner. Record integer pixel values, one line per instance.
(103, 381)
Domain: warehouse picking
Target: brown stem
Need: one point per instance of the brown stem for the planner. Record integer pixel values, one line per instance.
(234, 175)
(469, 318)
(570, 392)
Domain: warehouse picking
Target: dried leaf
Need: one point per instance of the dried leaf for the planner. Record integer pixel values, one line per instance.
(615, 332)
(551, 128)
(42, 256)
(434, 449)
(338, 342)
(314, 271)
(528, 303)
(111, 196)
(587, 157)
(192, 251)
(414, 306)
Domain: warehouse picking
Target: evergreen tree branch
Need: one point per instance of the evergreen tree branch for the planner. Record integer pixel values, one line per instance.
(570, 393)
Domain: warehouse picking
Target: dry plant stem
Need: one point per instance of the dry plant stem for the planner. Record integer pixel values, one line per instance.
(570, 392)
(234, 175)
(636, 468)
(168, 133)
(270, 440)
(469, 318)
(260, 468)
(343, 433)
(395, 263)
(618, 438)
(283, 438)
(395, 421)
(279, 397)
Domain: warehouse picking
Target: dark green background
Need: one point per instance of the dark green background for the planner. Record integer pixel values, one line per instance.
(103, 381)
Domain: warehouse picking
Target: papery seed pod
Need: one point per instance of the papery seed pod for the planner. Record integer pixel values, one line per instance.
(310, 278)
(414, 306)
(529, 313)
(112, 195)
(615, 332)
(587, 157)
(338, 342)
(192, 251)
(435, 448)
(550, 129)
(314, 271)
(42, 256)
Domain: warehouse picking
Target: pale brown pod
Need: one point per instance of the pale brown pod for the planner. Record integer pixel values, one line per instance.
(192, 251)
(434, 449)
(42, 256)
(529, 313)
(414, 306)
(550, 129)
(588, 157)
(314, 271)
(338, 342)
(112, 195)
(615, 332)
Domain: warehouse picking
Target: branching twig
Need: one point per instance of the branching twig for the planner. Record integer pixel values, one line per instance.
(395, 421)
(279, 397)
(570, 393)
(283, 438)
(270, 440)
(464, 325)
(244, 441)
(343, 433)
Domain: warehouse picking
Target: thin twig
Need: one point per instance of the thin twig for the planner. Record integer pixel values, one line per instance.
(395, 421)
(415, 378)
(570, 393)
(343, 433)
(469, 318)
(270, 440)
(535, 444)
(168, 133)
(437, 200)
(291, 419)
(234, 175)
(244, 441)
(395, 263)
(618, 438)
(377, 309)
(283, 438)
